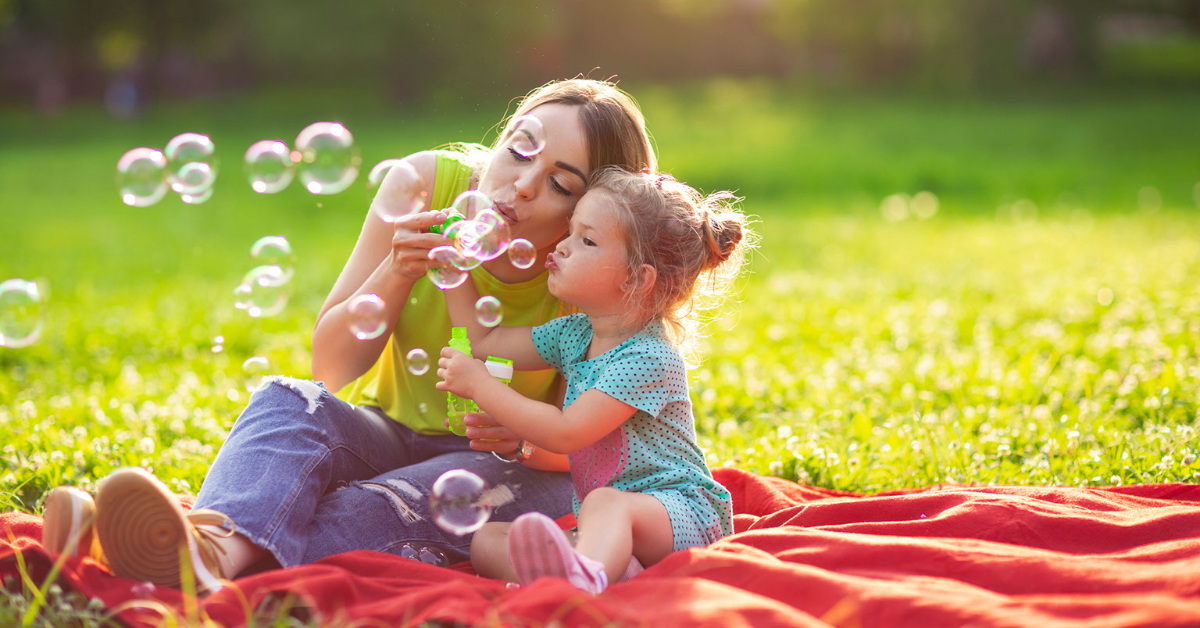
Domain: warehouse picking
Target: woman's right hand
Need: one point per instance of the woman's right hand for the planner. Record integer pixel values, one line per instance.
(412, 241)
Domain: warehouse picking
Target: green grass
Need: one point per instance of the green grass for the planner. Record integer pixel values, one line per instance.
(1042, 327)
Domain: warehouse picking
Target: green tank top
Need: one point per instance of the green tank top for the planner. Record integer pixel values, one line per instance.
(424, 323)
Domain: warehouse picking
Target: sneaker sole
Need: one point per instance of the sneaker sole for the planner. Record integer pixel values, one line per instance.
(68, 518)
(537, 548)
(141, 527)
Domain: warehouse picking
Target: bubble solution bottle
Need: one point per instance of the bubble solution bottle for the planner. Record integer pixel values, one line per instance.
(451, 218)
(457, 407)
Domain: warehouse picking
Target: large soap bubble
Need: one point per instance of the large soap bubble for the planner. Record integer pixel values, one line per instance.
(329, 158)
(365, 316)
(401, 189)
(263, 292)
(528, 135)
(191, 167)
(444, 272)
(269, 166)
(142, 177)
(458, 502)
(275, 252)
(20, 313)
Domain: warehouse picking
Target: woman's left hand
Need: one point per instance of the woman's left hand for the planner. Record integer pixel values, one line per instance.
(487, 435)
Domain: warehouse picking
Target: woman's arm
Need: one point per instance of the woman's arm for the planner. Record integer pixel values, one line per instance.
(593, 415)
(387, 260)
(511, 343)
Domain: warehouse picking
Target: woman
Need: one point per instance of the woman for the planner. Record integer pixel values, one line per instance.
(305, 474)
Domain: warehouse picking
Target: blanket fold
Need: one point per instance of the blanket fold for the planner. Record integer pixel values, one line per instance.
(940, 556)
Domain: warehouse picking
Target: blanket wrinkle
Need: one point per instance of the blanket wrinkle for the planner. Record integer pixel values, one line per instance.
(944, 556)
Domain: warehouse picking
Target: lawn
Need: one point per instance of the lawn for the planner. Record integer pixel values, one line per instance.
(1034, 319)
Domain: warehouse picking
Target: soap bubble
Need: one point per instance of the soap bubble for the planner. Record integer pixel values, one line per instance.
(466, 236)
(142, 177)
(471, 202)
(365, 313)
(409, 551)
(488, 311)
(418, 361)
(457, 502)
(142, 590)
(20, 313)
(432, 556)
(328, 157)
(269, 166)
(196, 199)
(422, 407)
(263, 292)
(404, 192)
(218, 344)
(522, 253)
(443, 272)
(191, 168)
(528, 135)
(253, 371)
(496, 236)
(275, 252)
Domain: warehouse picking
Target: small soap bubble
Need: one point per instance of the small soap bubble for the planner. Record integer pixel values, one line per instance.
(191, 168)
(924, 205)
(218, 344)
(20, 313)
(196, 199)
(488, 311)
(275, 252)
(443, 271)
(418, 361)
(253, 371)
(422, 407)
(269, 166)
(522, 253)
(329, 158)
(263, 292)
(457, 502)
(528, 135)
(409, 551)
(432, 556)
(471, 202)
(142, 177)
(496, 235)
(402, 190)
(365, 316)
(143, 590)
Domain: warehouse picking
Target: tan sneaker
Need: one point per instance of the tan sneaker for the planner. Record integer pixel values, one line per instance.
(148, 536)
(68, 519)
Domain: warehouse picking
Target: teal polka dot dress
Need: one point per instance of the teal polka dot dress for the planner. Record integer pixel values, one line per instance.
(655, 450)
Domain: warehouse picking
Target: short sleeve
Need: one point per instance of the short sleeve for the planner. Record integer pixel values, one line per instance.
(554, 340)
(646, 376)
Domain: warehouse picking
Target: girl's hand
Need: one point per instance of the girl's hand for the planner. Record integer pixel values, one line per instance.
(460, 373)
(411, 242)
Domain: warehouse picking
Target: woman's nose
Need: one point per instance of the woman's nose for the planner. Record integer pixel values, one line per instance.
(525, 184)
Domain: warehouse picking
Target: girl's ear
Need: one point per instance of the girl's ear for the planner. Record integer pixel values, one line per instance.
(646, 276)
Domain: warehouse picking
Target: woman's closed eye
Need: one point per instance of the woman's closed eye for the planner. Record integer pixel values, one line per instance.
(558, 187)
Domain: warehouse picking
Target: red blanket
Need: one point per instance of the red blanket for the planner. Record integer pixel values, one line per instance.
(947, 556)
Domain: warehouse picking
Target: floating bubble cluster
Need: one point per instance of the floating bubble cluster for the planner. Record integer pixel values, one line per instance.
(481, 234)
(458, 502)
(20, 313)
(365, 316)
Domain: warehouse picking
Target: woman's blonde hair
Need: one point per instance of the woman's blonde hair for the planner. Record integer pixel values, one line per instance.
(613, 125)
(696, 244)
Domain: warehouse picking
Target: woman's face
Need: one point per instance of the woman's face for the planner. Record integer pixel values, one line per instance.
(537, 194)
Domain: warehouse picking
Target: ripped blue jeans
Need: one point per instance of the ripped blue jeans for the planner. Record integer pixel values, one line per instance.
(306, 475)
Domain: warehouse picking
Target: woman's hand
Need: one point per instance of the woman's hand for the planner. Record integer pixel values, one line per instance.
(487, 435)
(412, 241)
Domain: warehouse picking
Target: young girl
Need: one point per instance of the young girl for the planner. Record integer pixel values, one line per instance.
(641, 250)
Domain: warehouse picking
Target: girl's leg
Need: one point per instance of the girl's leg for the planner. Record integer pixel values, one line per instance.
(391, 510)
(489, 552)
(614, 524)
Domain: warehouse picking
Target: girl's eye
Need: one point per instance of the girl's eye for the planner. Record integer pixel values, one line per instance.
(589, 242)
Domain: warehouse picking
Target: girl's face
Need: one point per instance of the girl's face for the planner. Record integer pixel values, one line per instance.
(590, 267)
(536, 195)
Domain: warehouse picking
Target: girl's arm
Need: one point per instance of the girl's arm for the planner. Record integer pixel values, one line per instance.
(512, 343)
(592, 416)
(387, 260)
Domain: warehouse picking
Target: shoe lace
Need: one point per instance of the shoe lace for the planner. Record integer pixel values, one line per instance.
(207, 539)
